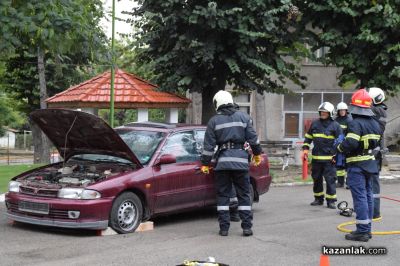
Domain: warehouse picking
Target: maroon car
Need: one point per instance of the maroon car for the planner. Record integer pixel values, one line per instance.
(116, 177)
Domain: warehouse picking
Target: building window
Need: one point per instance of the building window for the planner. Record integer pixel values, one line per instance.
(292, 102)
(311, 101)
(292, 125)
(303, 108)
(243, 100)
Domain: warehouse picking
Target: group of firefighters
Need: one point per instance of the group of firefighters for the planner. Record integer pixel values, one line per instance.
(352, 142)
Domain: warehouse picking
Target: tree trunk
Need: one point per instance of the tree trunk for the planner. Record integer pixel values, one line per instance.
(260, 115)
(40, 141)
(193, 112)
(208, 108)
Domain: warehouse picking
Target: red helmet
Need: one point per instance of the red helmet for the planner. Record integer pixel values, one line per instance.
(361, 99)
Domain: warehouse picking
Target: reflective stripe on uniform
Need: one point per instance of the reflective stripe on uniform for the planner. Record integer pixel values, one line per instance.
(244, 208)
(319, 194)
(343, 126)
(222, 208)
(306, 144)
(340, 148)
(340, 172)
(376, 196)
(366, 138)
(327, 196)
(208, 153)
(363, 221)
(230, 124)
(233, 159)
(308, 136)
(323, 157)
(353, 136)
(318, 135)
(360, 158)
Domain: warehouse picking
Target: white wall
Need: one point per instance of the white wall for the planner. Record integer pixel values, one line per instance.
(8, 139)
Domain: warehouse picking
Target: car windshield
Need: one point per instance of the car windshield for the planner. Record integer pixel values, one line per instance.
(142, 143)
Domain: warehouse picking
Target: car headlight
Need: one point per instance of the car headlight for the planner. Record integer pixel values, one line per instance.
(78, 193)
(13, 186)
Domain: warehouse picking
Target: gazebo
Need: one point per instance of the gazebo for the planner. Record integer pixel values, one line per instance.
(131, 92)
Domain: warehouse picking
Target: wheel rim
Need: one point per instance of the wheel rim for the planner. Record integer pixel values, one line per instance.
(127, 215)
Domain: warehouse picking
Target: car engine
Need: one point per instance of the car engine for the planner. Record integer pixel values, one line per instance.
(72, 175)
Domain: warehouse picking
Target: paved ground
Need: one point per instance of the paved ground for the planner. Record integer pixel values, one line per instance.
(287, 232)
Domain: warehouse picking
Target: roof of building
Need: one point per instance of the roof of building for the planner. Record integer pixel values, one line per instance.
(130, 91)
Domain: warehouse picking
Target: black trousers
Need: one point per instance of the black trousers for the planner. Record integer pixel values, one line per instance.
(320, 170)
(224, 180)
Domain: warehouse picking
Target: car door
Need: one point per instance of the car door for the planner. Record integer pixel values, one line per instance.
(205, 183)
(174, 182)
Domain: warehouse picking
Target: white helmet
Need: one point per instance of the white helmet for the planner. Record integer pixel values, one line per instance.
(327, 107)
(377, 95)
(342, 106)
(222, 98)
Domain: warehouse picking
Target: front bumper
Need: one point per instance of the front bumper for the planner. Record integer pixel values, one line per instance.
(94, 214)
(64, 224)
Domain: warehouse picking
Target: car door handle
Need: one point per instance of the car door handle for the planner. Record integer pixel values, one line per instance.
(197, 170)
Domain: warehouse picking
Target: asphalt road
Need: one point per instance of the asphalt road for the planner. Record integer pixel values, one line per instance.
(288, 231)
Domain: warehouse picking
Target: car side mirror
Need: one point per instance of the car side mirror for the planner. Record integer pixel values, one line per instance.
(166, 159)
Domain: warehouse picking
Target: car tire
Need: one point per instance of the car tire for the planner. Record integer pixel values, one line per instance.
(126, 213)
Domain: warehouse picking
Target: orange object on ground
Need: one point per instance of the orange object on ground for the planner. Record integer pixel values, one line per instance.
(305, 166)
(324, 261)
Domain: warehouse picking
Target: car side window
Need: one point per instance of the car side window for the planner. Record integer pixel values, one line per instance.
(182, 145)
(199, 136)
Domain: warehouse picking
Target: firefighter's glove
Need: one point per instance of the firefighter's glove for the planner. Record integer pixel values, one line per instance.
(305, 152)
(257, 160)
(205, 169)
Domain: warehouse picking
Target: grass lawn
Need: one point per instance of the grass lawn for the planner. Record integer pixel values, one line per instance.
(9, 171)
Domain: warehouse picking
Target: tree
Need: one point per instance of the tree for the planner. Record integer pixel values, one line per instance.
(363, 38)
(53, 29)
(8, 116)
(204, 45)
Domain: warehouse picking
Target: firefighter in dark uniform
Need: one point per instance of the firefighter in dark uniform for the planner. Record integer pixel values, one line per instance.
(343, 118)
(323, 133)
(229, 129)
(362, 138)
(379, 109)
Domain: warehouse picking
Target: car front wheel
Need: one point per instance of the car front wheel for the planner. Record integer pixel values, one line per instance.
(126, 213)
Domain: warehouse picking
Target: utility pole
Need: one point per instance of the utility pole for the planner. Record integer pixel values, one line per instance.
(112, 67)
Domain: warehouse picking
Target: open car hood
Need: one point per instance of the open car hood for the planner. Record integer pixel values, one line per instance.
(84, 133)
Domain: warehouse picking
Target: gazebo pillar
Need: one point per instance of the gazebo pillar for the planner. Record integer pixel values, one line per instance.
(143, 114)
(172, 115)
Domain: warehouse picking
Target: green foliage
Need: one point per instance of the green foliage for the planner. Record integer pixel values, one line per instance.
(363, 38)
(9, 171)
(58, 25)
(126, 55)
(8, 116)
(198, 45)
(67, 31)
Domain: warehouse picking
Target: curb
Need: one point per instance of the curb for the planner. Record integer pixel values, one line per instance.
(2, 197)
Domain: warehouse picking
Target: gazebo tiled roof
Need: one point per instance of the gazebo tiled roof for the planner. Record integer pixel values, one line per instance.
(130, 92)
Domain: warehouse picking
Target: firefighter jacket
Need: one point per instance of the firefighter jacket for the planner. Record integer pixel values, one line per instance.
(323, 133)
(343, 122)
(363, 136)
(229, 129)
